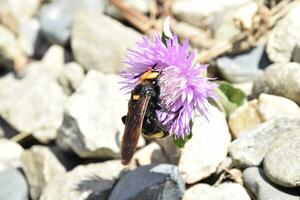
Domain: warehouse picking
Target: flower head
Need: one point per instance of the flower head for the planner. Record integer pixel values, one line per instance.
(184, 86)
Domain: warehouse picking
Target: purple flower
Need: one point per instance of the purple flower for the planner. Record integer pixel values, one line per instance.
(184, 86)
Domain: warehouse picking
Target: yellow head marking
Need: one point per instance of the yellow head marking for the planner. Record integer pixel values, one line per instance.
(135, 97)
(149, 75)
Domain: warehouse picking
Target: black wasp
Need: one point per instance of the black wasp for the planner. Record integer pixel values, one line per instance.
(141, 116)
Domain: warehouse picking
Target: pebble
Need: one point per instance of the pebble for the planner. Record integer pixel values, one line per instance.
(10, 53)
(92, 181)
(244, 118)
(280, 47)
(160, 182)
(282, 162)
(10, 154)
(15, 12)
(29, 36)
(150, 154)
(13, 185)
(53, 61)
(97, 47)
(280, 79)
(56, 18)
(225, 191)
(271, 106)
(245, 66)
(28, 108)
(143, 6)
(93, 129)
(40, 166)
(251, 148)
(254, 112)
(210, 137)
(70, 77)
(199, 12)
(259, 185)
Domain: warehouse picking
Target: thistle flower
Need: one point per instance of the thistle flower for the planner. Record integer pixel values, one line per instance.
(184, 86)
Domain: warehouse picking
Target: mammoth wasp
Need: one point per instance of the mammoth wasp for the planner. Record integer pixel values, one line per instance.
(141, 116)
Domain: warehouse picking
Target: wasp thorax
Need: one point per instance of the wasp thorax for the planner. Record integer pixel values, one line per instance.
(149, 75)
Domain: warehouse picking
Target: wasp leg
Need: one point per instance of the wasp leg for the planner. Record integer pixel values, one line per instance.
(159, 106)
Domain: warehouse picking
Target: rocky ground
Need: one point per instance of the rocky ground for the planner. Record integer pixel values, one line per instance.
(61, 107)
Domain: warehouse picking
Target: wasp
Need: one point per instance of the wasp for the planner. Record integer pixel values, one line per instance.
(141, 116)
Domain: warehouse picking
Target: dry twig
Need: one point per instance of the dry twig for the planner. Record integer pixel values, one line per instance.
(249, 37)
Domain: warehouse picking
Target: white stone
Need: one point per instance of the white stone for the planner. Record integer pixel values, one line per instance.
(284, 36)
(207, 149)
(40, 166)
(92, 123)
(97, 47)
(34, 103)
(93, 181)
(10, 154)
(225, 191)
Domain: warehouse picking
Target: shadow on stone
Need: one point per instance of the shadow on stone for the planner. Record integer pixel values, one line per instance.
(6, 130)
(290, 191)
(92, 186)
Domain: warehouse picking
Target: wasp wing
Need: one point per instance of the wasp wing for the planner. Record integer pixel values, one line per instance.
(133, 127)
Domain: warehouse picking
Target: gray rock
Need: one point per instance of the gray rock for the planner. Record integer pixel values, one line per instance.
(11, 154)
(93, 129)
(96, 47)
(93, 181)
(10, 53)
(225, 191)
(280, 47)
(211, 138)
(282, 162)
(29, 35)
(251, 147)
(56, 18)
(27, 107)
(257, 183)
(199, 12)
(13, 185)
(296, 53)
(282, 79)
(243, 67)
(171, 151)
(160, 182)
(40, 166)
